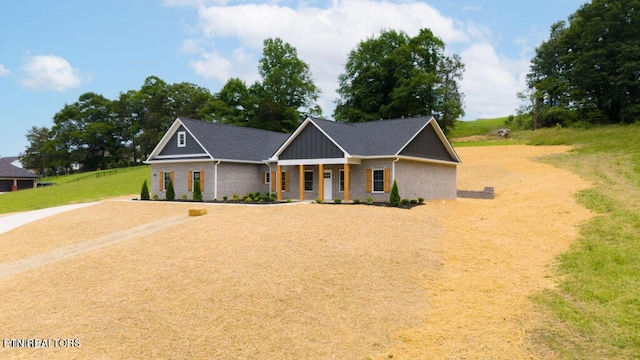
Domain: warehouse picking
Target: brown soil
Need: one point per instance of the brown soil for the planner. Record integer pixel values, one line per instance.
(447, 280)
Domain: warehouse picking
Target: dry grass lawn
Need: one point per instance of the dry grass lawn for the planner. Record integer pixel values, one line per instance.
(448, 280)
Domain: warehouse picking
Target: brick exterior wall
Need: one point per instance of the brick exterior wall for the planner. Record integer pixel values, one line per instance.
(233, 178)
(430, 181)
(415, 179)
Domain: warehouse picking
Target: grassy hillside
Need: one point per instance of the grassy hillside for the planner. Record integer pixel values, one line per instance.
(77, 188)
(478, 127)
(595, 311)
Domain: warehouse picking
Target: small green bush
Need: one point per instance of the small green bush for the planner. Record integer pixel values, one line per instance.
(337, 201)
(144, 193)
(170, 194)
(394, 198)
(369, 200)
(414, 201)
(420, 200)
(405, 202)
(356, 201)
(288, 200)
(235, 197)
(184, 197)
(319, 201)
(155, 197)
(224, 198)
(248, 199)
(197, 192)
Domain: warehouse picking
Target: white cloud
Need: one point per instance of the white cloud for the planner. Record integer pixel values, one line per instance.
(49, 72)
(3, 70)
(231, 36)
(212, 66)
(491, 82)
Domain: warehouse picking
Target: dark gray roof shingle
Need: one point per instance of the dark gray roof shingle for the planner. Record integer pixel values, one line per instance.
(230, 142)
(7, 170)
(384, 137)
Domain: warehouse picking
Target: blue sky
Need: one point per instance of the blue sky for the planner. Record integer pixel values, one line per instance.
(53, 51)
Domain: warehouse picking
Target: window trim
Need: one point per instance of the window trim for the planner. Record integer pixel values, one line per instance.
(305, 180)
(182, 139)
(373, 181)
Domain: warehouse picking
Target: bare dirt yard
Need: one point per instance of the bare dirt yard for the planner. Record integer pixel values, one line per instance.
(447, 280)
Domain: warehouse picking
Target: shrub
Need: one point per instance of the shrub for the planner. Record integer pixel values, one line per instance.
(369, 200)
(197, 192)
(319, 201)
(337, 201)
(356, 201)
(155, 197)
(256, 195)
(420, 200)
(184, 197)
(394, 198)
(235, 197)
(288, 200)
(405, 202)
(171, 194)
(144, 193)
(414, 201)
(248, 199)
(224, 198)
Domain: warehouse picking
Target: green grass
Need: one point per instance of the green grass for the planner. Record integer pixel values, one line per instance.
(77, 188)
(478, 127)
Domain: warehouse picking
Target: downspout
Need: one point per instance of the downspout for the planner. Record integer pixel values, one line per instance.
(215, 180)
(393, 169)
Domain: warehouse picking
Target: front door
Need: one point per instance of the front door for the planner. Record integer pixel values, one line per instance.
(327, 185)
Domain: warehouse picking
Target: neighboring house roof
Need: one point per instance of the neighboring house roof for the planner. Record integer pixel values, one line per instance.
(217, 141)
(397, 137)
(9, 170)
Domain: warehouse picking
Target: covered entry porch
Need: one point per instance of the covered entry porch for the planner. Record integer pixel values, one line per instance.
(327, 179)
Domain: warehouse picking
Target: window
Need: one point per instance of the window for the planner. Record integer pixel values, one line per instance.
(284, 181)
(308, 180)
(378, 180)
(267, 177)
(182, 138)
(196, 177)
(341, 185)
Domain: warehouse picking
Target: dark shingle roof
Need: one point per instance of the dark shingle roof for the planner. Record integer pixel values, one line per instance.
(7, 170)
(384, 137)
(230, 142)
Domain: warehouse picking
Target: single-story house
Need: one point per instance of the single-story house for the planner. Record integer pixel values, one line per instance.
(320, 159)
(13, 177)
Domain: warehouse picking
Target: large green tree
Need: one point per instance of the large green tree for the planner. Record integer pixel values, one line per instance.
(588, 69)
(394, 75)
(233, 104)
(287, 92)
(89, 131)
(39, 155)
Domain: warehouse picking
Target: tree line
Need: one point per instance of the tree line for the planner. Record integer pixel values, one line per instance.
(588, 71)
(388, 76)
